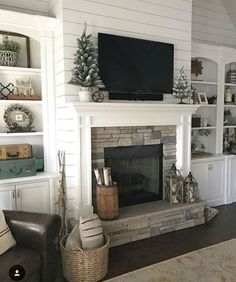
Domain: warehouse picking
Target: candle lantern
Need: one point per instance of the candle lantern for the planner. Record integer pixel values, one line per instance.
(190, 189)
(174, 186)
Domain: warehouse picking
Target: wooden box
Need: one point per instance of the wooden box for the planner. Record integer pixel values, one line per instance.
(16, 151)
(17, 168)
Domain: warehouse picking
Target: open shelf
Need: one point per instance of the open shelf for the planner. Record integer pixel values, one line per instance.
(18, 134)
(208, 105)
(230, 84)
(20, 70)
(204, 127)
(204, 82)
(25, 102)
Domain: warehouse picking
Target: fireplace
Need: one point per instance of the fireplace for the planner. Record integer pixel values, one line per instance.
(138, 170)
(96, 126)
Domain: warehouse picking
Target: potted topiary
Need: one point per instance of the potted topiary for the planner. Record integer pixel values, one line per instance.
(9, 51)
(85, 72)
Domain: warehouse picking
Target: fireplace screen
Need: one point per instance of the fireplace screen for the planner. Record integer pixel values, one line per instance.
(138, 170)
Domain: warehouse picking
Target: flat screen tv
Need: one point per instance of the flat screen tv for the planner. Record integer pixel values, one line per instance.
(135, 69)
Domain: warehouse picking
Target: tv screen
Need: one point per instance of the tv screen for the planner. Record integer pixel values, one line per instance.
(135, 69)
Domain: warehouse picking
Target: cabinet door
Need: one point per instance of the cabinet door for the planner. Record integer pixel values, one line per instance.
(7, 197)
(200, 174)
(232, 179)
(33, 197)
(215, 183)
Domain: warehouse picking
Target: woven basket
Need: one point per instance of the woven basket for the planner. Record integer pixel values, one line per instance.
(85, 266)
(8, 58)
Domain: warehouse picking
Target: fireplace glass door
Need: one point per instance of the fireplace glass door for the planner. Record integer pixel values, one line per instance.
(138, 171)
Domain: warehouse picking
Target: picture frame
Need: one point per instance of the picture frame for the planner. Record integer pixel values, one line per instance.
(24, 41)
(202, 98)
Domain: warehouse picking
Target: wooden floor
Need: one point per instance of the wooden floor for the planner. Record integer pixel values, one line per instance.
(128, 257)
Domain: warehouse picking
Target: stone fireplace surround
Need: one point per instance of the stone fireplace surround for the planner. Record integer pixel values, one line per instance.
(148, 219)
(110, 137)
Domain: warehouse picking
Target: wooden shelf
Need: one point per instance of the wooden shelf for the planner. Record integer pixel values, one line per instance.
(19, 71)
(204, 82)
(230, 126)
(208, 105)
(204, 127)
(26, 102)
(19, 134)
(230, 106)
(230, 84)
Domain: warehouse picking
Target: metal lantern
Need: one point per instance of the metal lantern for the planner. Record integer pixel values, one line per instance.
(174, 186)
(190, 189)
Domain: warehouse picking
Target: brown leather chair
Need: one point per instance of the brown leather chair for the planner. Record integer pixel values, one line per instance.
(35, 248)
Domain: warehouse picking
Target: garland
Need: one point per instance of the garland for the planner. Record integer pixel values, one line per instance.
(13, 125)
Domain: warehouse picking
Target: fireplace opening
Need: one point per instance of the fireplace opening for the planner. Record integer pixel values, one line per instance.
(138, 171)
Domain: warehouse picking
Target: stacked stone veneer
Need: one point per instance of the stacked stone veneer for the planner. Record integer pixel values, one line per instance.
(151, 219)
(103, 137)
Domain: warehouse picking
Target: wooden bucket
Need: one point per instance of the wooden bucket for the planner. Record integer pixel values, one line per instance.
(107, 201)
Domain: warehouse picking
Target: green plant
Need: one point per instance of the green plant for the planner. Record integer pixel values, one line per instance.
(9, 45)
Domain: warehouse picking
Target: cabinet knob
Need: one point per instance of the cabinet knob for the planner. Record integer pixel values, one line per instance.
(18, 193)
(13, 194)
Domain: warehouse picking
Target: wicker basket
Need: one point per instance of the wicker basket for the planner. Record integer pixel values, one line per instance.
(85, 266)
(8, 58)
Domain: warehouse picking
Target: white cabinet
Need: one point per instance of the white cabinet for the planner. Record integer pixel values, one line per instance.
(26, 194)
(7, 197)
(210, 176)
(33, 197)
(231, 179)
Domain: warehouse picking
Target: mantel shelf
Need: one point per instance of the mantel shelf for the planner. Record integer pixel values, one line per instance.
(133, 107)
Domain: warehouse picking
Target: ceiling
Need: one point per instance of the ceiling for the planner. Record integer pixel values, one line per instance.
(230, 6)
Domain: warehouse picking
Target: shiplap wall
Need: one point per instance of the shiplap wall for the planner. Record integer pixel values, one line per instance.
(211, 23)
(159, 20)
(37, 7)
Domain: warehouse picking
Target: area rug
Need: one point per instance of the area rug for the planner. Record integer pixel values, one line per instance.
(216, 263)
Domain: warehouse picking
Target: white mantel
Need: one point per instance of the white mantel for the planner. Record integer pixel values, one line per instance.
(110, 114)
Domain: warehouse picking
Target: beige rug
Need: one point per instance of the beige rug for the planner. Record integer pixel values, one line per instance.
(216, 263)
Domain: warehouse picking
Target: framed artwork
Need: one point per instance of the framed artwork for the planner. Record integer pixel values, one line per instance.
(202, 98)
(24, 41)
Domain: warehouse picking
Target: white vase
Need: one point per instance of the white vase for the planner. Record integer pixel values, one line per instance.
(85, 96)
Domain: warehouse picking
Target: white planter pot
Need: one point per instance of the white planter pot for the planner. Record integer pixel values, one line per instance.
(85, 96)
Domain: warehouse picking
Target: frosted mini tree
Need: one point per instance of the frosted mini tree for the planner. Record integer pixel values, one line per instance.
(181, 88)
(85, 72)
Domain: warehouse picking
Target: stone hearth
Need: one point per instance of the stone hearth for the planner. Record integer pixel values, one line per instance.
(150, 219)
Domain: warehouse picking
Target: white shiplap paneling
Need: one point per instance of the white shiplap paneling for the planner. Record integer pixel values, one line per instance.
(35, 7)
(146, 19)
(211, 23)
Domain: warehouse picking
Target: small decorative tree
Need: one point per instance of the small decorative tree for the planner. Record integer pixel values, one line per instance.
(181, 88)
(85, 72)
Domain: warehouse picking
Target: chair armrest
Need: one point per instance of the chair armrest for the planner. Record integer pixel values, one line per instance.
(38, 232)
(34, 230)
